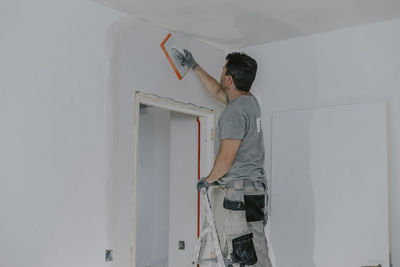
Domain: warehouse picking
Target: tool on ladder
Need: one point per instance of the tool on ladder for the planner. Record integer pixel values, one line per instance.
(211, 232)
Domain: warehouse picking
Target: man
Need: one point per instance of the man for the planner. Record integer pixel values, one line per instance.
(241, 216)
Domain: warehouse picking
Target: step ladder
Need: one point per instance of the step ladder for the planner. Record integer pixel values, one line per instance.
(210, 232)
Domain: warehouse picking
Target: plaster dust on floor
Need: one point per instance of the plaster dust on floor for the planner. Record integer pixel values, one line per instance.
(233, 23)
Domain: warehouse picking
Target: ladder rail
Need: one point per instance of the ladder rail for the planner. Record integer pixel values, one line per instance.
(210, 229)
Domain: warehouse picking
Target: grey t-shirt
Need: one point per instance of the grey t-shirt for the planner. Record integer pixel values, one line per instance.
(241, 119)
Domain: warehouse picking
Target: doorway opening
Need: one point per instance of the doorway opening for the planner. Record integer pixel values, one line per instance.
(174, 146)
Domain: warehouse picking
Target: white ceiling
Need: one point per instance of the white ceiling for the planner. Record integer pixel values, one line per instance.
(234, 23)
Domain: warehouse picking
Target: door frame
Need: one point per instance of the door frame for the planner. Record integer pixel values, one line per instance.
(207, 119)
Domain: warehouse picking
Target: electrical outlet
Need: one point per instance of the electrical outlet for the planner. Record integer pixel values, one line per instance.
(109, 255)
(181, 245)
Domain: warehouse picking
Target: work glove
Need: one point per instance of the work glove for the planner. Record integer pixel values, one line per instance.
(202, 183)
(186, 59)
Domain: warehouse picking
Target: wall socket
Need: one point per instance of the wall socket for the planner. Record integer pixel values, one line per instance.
(109, 255)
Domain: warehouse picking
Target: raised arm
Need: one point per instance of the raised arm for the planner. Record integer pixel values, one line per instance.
(211, 85)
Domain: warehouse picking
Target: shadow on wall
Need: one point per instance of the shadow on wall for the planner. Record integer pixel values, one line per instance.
(293, 241)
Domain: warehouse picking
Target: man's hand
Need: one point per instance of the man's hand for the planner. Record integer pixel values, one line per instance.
(210, 84)
(186, 58)
(202, 183)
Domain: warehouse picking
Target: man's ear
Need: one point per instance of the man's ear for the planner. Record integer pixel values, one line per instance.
(229, 79)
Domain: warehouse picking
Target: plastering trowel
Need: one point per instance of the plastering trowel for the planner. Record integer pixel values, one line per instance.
(170, 46)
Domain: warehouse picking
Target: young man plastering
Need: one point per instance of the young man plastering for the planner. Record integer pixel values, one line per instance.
(241, 216)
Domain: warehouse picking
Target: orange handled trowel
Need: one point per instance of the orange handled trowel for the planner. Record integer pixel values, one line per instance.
(170, 47)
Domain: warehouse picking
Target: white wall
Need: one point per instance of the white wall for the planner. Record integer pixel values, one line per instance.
(353, 65)
(54, 74)
(138, 63)
(66, 114)
(68, 73)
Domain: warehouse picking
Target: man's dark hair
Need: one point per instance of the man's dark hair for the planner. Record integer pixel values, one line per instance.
(243, 70)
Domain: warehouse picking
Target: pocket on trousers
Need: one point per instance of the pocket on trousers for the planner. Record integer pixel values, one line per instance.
(235, 217)
(255, 206)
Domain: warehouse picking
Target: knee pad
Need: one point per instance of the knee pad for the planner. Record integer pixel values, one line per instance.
(243, 250)
(255, 205)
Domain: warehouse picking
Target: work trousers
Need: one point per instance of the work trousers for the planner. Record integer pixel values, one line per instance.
(233, 223)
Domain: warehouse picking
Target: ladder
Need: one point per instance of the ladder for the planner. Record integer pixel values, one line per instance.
(210, 231)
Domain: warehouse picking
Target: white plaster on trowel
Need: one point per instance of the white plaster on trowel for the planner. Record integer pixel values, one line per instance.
(176, 44)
